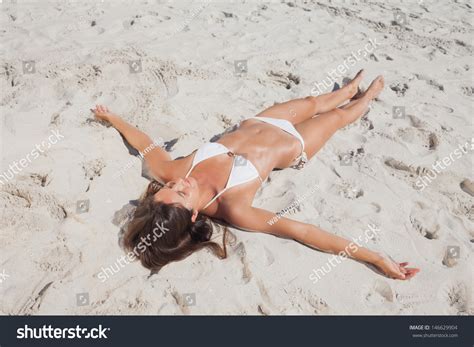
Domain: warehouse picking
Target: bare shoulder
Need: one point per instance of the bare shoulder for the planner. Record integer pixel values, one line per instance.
(234, 208)
(169, 170)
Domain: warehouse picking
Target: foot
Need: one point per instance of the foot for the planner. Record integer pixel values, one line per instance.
(353, 85)
(375, 88)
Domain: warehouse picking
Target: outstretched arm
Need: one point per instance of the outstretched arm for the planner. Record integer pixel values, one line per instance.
(155, 157)
(256, 219)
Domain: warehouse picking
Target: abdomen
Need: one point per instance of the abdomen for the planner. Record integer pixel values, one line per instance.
(265, 145)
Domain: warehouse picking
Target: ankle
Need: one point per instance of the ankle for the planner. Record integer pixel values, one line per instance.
(351, 90)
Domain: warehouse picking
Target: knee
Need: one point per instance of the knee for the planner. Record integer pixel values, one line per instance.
(340, 117)
(312, 102)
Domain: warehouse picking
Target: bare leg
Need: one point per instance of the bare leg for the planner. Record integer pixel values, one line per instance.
(299, 110)
(317, 131)
(332, 100)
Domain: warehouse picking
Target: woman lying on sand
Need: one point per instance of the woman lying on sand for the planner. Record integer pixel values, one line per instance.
(220, 179)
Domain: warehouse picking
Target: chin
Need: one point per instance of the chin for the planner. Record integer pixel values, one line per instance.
(193, 183)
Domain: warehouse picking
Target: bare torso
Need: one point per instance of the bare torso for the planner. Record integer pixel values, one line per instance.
(265, 145)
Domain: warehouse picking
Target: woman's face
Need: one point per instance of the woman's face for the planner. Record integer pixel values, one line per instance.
(181, 191)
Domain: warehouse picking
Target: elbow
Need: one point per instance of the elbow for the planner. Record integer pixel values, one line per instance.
(304, 235)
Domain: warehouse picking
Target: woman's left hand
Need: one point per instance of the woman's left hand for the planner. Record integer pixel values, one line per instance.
(396, 270)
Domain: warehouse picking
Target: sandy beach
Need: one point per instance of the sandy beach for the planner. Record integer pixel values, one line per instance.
(398, 181)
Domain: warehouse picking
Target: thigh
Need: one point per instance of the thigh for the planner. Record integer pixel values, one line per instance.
(295, 111)
(318, 130)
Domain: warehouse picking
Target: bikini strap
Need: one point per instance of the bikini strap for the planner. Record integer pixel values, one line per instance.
(226, 184)
(192, 165)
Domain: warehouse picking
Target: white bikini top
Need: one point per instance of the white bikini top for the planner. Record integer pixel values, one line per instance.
(242, 171)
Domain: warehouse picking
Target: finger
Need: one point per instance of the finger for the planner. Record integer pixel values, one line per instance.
(397, 275)
(401, 276)
(412, 269)
(403, 264)
(412, 272)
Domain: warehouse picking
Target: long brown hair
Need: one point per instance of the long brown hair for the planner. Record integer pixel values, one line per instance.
(178, 236)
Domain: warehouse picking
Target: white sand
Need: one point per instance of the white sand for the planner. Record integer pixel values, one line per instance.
(187, 90)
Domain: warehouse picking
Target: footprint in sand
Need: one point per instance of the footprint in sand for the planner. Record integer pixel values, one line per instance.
(427, 109)
(417, 122)
(288, 80)
(319, 305)
(242, 253)
(384, 290)
(457, 295)
(467, 90)
(422, 221)
(379, 292)
(429, 233)
(21, 195)
(419, 133)
(461, 202)
(451, 255)
(433, 141)
(400, 168)
(430, 82)
(399, 88)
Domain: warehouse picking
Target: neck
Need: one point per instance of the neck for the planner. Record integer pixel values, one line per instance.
(206, 191)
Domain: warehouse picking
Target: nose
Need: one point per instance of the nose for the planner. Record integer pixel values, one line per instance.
(179, 184)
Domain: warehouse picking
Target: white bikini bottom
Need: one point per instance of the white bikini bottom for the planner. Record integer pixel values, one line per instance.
(286, 126)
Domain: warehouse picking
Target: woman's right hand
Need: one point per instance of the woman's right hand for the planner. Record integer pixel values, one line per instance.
(102, 113)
